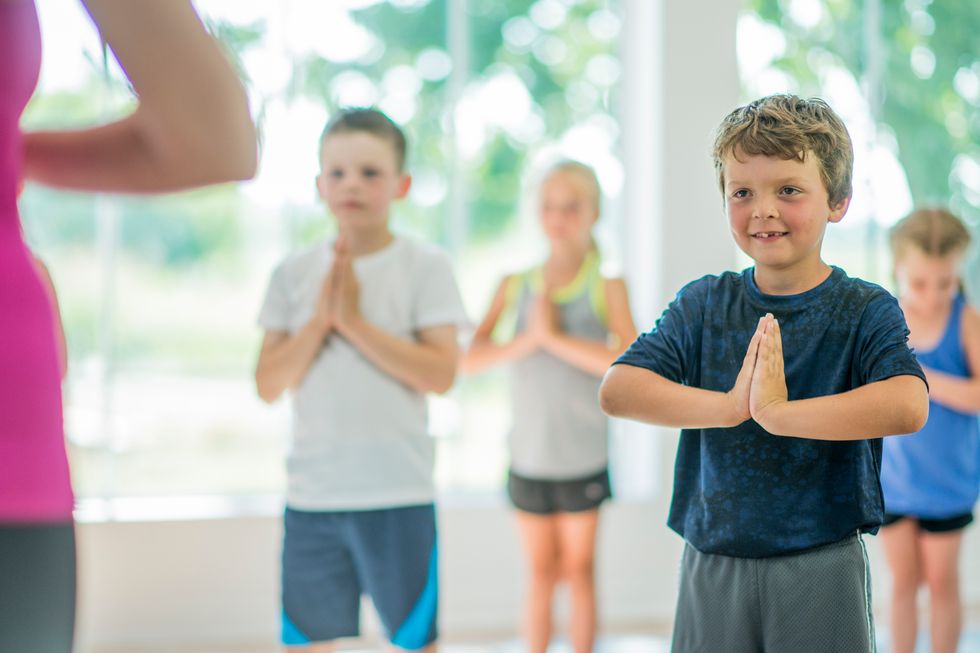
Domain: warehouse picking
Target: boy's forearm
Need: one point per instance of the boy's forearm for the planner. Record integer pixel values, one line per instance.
(639, 394)
(284, 366)
(894, 406)
(420, 366)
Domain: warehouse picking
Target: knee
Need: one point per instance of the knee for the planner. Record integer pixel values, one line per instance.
(905, 582)
(578, 572)
(943, 584)
(544, 572)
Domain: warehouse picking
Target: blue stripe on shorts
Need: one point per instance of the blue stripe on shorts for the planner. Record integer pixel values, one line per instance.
(414, 632)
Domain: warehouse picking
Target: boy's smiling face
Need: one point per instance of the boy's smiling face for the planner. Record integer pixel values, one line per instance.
(359, 179)
(778, 210)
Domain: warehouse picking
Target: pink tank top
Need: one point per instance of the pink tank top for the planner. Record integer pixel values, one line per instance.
(34, 482)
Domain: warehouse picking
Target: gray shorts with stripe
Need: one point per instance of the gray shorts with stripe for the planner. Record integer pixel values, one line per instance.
(816, 601)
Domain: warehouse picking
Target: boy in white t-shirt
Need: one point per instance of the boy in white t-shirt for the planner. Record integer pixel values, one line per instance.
(360, 329)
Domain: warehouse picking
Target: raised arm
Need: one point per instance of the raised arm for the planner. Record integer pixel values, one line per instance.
(483, 352)
(596, 357)
(285, 358)
(640, 394)
(426, 363)
(897, 405)
(958, 393)
(191, 126)
(894, 406)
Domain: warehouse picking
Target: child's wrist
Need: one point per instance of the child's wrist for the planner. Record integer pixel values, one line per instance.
(732, 415)
(351, 325)
(772, 417)
(319, 327)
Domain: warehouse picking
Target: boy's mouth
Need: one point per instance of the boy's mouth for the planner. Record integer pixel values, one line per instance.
(769, 235)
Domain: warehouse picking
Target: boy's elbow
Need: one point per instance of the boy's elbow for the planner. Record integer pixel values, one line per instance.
(916, 411)
(266, 391)
(608, 398)
(267, 395)
(441, 382)
(440, 386)
(918, 414)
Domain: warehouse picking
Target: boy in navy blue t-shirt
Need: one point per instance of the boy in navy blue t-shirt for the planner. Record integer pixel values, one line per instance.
(783, 378)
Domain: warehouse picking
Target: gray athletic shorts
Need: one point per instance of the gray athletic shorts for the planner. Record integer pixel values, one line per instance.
(817, 601)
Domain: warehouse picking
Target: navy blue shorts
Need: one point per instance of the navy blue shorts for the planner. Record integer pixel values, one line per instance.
(944, 525)
(330, 559)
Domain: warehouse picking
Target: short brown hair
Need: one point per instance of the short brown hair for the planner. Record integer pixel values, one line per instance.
(371, 121)
(932, 230)
(789, 127)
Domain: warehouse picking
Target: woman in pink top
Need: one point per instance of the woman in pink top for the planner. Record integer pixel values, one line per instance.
(191, 127)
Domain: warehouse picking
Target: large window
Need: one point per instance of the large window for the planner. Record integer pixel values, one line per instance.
(159, 296)
(905, 77)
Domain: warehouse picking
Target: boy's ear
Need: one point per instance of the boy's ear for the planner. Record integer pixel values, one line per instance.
(404, 185)
(321, 185)
(837, 212)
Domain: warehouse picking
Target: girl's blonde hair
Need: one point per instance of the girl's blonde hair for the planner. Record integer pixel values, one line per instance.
(934, 231)
(584, 171)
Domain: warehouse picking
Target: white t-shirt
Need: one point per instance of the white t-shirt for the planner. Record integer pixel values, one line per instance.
(360, 438)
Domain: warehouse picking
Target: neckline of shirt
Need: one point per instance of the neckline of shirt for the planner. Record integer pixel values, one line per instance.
(790, 301)
(378, 255)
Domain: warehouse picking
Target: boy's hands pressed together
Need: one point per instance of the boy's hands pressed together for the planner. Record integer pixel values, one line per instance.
(323, 314)
(741, 391)
(346, 291)
(768, 389)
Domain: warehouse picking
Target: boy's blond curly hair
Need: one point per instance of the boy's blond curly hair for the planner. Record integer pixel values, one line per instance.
(789, 127)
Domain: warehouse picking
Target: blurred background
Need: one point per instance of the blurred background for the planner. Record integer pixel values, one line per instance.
(179, 467)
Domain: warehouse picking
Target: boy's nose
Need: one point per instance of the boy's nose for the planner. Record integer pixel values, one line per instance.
(764, 209)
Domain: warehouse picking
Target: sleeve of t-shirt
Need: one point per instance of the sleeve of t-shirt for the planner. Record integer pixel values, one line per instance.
(274, 314)
(437, 298)
(670, 348)
(883, 342)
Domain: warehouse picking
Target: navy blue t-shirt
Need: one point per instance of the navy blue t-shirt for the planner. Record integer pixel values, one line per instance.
(742, 491)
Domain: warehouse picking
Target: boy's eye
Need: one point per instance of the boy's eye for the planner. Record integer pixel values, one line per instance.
(336, 174)
(370, 172)
(789, 190)
(740, 193)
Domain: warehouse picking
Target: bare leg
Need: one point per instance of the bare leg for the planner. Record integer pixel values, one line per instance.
(577, 535)
(940, 557)
(539, 535)
(901, 547)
